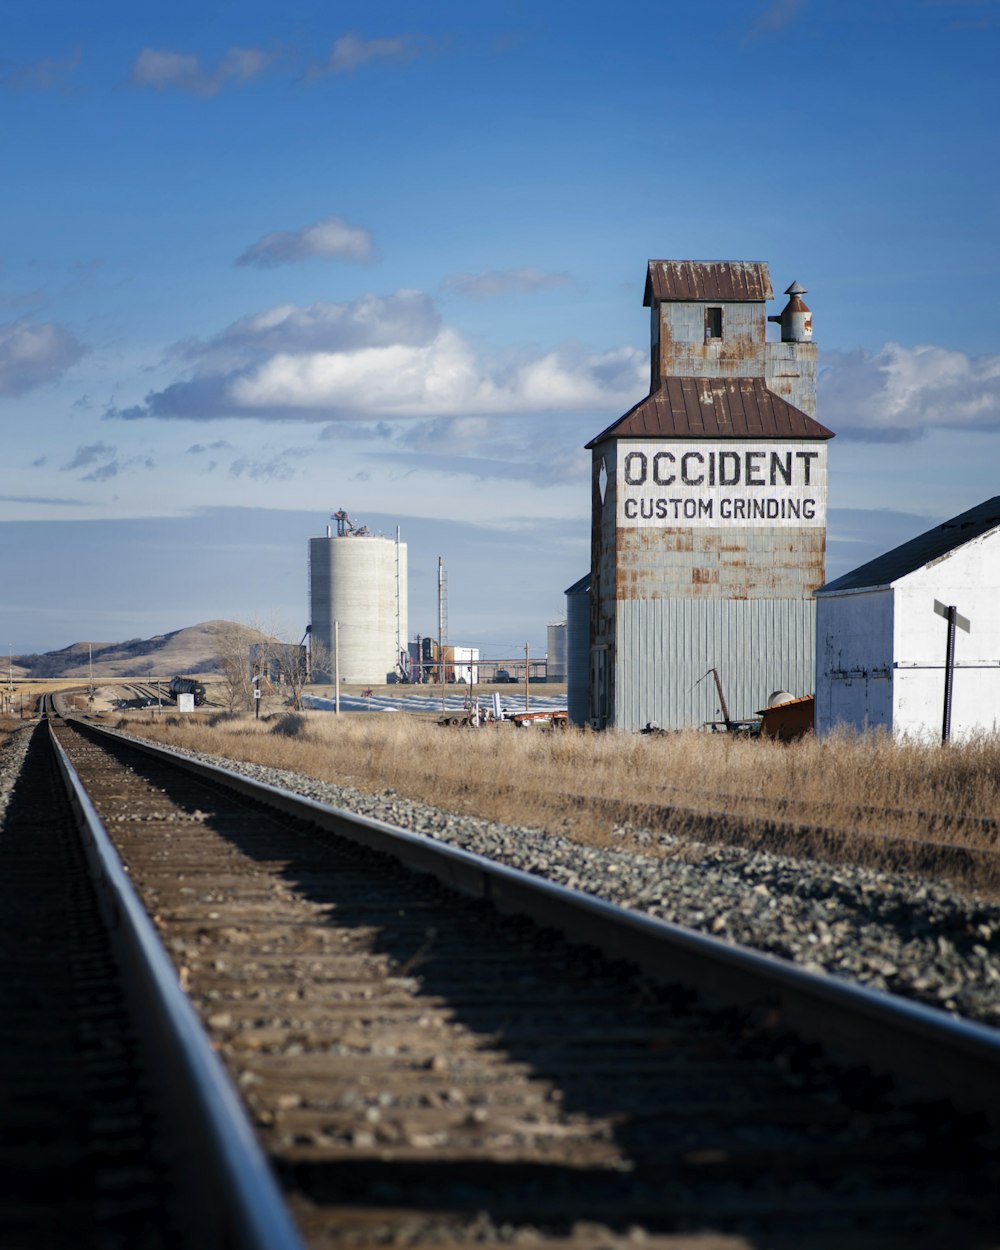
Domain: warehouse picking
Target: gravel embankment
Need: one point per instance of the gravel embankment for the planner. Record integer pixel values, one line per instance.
(892, 932)
(12, 754)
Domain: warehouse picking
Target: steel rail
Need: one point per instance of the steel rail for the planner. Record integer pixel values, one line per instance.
(937, 1055)
(240, 1203)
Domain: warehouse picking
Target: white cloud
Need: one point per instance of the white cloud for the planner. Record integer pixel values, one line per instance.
(899, 392)
(350, 51)
(161, 68)
(32, 354)
(491, 282)
(372, 321)
(380, 358)
(331, 237)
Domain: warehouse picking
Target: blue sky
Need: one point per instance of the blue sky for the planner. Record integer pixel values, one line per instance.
(260, 263)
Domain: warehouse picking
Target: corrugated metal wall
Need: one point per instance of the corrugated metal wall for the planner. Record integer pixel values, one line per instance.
(665, 648)
(578, 652)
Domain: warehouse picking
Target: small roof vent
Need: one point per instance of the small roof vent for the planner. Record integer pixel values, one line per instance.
(795, 319)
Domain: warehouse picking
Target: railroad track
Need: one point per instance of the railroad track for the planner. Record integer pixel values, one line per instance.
(106, 1138)
(422, 1068)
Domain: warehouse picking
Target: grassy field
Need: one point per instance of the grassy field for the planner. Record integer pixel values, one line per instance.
(599, 788)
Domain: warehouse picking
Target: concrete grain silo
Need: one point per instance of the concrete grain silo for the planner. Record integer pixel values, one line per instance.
(359, 580)
(708, 533)
(555, 652)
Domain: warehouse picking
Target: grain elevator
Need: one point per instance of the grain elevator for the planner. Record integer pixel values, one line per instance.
(708, 533)
(358, 582)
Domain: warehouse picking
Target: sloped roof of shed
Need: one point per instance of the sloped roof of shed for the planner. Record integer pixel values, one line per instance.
(920, 551)
(714, 408)
(702, 280)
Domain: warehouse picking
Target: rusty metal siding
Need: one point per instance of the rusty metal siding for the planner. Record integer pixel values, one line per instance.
(684, 352)
(719, 564)
(790, 371)
(707, 280)
(665, 648)
(604, 509)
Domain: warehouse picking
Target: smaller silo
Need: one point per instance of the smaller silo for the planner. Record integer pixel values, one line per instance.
(555, 668)
(578, 650)
(358, 603)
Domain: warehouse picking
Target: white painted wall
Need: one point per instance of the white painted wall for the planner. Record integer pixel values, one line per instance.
(854, 633)
(861, 634)
(969, 578)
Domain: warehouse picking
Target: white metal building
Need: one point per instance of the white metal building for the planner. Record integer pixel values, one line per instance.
(359, 580)
(881, 641)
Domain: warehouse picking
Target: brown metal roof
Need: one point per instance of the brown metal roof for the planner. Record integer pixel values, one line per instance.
(714, 408)
(727, 280)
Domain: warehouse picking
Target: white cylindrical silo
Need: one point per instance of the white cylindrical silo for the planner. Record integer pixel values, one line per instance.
(555, 668)
(359, 581)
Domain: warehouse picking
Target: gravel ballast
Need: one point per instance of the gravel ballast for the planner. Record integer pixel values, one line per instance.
(894, 932)
(889, 931)
(12, 754)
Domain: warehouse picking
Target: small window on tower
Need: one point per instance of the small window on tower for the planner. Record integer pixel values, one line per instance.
(713, 323)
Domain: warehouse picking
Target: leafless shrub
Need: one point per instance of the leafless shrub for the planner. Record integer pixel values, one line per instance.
(292, 725)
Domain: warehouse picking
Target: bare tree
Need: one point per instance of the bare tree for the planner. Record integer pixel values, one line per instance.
(287, 669)
(237, 650)
(320, 661)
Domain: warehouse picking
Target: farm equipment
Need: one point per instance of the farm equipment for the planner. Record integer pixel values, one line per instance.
(746, 728)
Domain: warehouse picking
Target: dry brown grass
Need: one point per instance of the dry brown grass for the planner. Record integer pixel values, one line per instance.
(8, 726)
(865, 794)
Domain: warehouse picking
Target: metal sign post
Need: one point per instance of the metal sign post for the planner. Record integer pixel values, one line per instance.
(951, 615)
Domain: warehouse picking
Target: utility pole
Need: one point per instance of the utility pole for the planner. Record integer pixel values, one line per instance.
(441, 629)
(526, 677)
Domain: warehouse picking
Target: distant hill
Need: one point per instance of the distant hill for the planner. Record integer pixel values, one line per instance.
(188, 651)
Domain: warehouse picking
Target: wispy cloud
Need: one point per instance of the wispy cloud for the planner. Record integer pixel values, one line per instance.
(777, 14)
(492, 282)
(46, 499)
(899, 392)
(330, 238)
(163, 69)
(89, 454)
(105, 462)
(33, 353)
(51, 73)
(198, 449)
(279, 467)
(351, 51)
